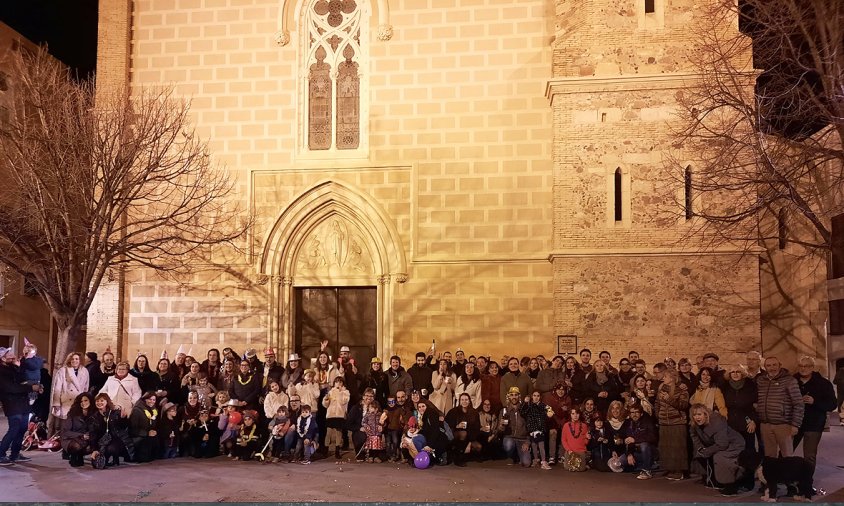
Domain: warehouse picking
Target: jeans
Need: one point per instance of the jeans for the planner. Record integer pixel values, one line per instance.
(643, 454)
(811, 440)
(307, 450)
(517, 449)
(170, 452)
(393, 442)
(14, 436)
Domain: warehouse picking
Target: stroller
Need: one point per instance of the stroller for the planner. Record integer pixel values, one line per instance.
(36, 437)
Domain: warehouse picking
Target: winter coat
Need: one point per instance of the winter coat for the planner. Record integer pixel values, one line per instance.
(376, 380)
(442, 394)
(574, 437)
(560, 406)
(399, 380)
(421, 377)
(712, 398)
(473, 422)
(291, 377)
(672, 411)
(140, 423)
(778, 400)
(473, 389)
(716, 436)
(820, 389)
(489, 423)
(96, 378)
(739, 404)
(491, 390)
(248, 392)
(13, 395)
(67, 385)
(307, 392)
(590, 388)
(642, 431)
(273, 401)
(168, 383)
(146, 378)
(75, 427)
(548, 378)
(509, 380)
(123, 392)
(336, 401)
(516, 426)
(117, 427)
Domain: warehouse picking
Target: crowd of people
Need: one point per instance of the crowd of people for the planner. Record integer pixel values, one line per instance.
(678, 418)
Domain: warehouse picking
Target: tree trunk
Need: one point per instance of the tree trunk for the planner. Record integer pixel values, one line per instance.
(69, 336)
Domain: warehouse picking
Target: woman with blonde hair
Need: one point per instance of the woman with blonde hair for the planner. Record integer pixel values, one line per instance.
(68, 382)
(739, 397)
(123, 389)
(713, 439)
(672, 401)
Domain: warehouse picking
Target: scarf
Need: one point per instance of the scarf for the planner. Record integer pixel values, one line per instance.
(737, 385)
(615, 423)
(303, 426)
(601, 377)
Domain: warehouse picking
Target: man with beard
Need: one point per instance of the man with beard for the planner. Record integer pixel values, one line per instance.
(351, 375)
(14, 397)
(421, 374)
(272, 369)
(397, 377)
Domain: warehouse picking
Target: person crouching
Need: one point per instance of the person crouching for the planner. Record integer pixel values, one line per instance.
(251, 437)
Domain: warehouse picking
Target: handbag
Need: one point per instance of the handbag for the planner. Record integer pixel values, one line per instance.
(99, 462)
(106, 438)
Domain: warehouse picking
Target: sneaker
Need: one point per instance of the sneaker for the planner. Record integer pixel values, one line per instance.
(674, 476)
(22, 458)
(644, 475)
(546, 466)
(4, 461)
(729, 490)
(377, 460)
(305, 462)
(551, 461)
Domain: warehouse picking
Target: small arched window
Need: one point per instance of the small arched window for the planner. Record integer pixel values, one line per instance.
(617, 194)
(782, 229)
(687, 192)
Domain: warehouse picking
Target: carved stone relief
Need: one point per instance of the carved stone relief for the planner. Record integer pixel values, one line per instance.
(334, 248)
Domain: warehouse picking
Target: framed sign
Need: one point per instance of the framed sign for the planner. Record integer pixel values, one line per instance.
(566, 345)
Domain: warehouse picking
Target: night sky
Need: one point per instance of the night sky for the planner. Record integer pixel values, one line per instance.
(68, 27)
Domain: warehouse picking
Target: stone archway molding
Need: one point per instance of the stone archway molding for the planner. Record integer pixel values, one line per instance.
(288, 13)
(324, 201)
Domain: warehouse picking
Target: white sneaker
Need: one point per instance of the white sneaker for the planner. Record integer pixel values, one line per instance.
(644, 475)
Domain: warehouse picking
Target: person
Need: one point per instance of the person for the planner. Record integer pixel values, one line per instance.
(515, 444)
(92, 363)
(226, 377)
(625, 373)
(514, 378)
(165, 384)
(229, 425)
(780, 408)
(142, 371)
(585, 358)
(443, 383)
(178, 364)
(190, 379)
(143, 428)
(459, 362)
(168, 431)
(599, 446)
(30, 368)
(251, 436)
(278, 426)
(708, 393)
(672, 403)
(640, 395)
(396, 420)
(69, 381)
(351, 375)
(710, 360)
(372, 425)
(687, 377)
(753, 361)
(740, 395)
(421, 374)
(122, 389)
(212, 366)
(616, 427)
(305, 435)
(533, 371)
(602, 386)
(307, 390)
(560, 403)
(469, 383)
(491, 385)
(205, 437)
(326, 371)
(255, 365)
(336, 402)
(246, 387)
(274, 399)
(112, 436)
(536, 414)
(354, 419)
(575, 436)
(465, 424)
(188, 418)
(397, 377)
(549, 377)
(293, 374)
(640, 437)
(607, 359)
(430, 427)
(818, 400)
(713, 439)
(489, 433)
(376, 379)
(107, 370)
(79, 429)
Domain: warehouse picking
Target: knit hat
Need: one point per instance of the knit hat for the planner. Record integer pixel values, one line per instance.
(250, 413)
(514, 390)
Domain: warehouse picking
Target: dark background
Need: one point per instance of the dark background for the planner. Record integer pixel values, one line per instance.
(68, 27)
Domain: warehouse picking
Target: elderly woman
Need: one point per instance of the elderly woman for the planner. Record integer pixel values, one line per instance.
(739, 397)
(79, 429)
(122, 389)
(444, 382)
(68, 382)
(713, 439)
(465, 424)
(672, 401)
(708, 393)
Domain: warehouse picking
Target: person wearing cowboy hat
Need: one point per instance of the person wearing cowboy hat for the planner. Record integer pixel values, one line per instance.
(514, 427)
(256, 365)
(351, 375)
(293, 373)
(272, 369)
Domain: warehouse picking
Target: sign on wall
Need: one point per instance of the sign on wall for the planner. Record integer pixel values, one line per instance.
(566, 344)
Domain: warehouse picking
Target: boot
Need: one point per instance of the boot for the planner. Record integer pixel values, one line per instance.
(76, 460)
(337, 453)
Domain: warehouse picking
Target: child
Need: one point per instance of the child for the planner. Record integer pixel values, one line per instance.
(306, 435)
(308, 391)
(205, 390)
(373, 426)
(251, 437)
(30, 369)
(336, 401)
(575, 438)
(599, 445)
(395, 423)
(413, 441)
(536, 412)
(221, 398)
(205, 437)
(168, 428)
(274, 399)
(279, 424)
(229, 424)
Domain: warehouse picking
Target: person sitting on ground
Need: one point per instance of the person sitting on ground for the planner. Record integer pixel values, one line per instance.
(305, 440)
(515, 444)
(112, 436)
(79, 429)
(251, 437)
(640, 439)
(465, 424)
(713, 439)
(575, 436)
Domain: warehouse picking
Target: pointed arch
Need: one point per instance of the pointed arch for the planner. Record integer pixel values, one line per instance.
(289, 8)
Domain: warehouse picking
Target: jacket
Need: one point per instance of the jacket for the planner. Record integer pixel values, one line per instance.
(442, 394)
(672, 411)
(473, 422)
(560, 406)
(421, 377)
(123, 392)
(509, 380)
(778, 400)
(642, 431)
(143, 419)
(376, 380)
(76, 427)
(116, 426)
(473, 389)
(67, 385)
(739, 404)
(820, 389)
(515, 425)
(716, 436)
(248, 392)
(711, 397)
(548, 378)
(13, 395)
(399, 380)
(336, 401)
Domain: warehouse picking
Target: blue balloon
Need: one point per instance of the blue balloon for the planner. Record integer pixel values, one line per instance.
(422, 460)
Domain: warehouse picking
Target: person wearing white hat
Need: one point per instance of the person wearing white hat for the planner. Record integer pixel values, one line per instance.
(257, 366)
(351, 375)
(178, 365)
(293, 373)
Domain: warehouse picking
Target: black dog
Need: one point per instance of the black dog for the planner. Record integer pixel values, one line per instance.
(788, 471)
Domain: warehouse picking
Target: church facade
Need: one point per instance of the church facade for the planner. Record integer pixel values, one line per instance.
(480, 174)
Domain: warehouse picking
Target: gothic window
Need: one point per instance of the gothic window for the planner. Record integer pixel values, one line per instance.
(687, 193)
(617, 194)
(333, 53)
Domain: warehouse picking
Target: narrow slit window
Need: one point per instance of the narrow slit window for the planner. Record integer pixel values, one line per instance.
(782, 229)
(650, 6)
(687, 193)
(617, 194)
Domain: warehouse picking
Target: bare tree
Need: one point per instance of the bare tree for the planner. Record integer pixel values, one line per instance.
(93, 185)
(764, 123)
